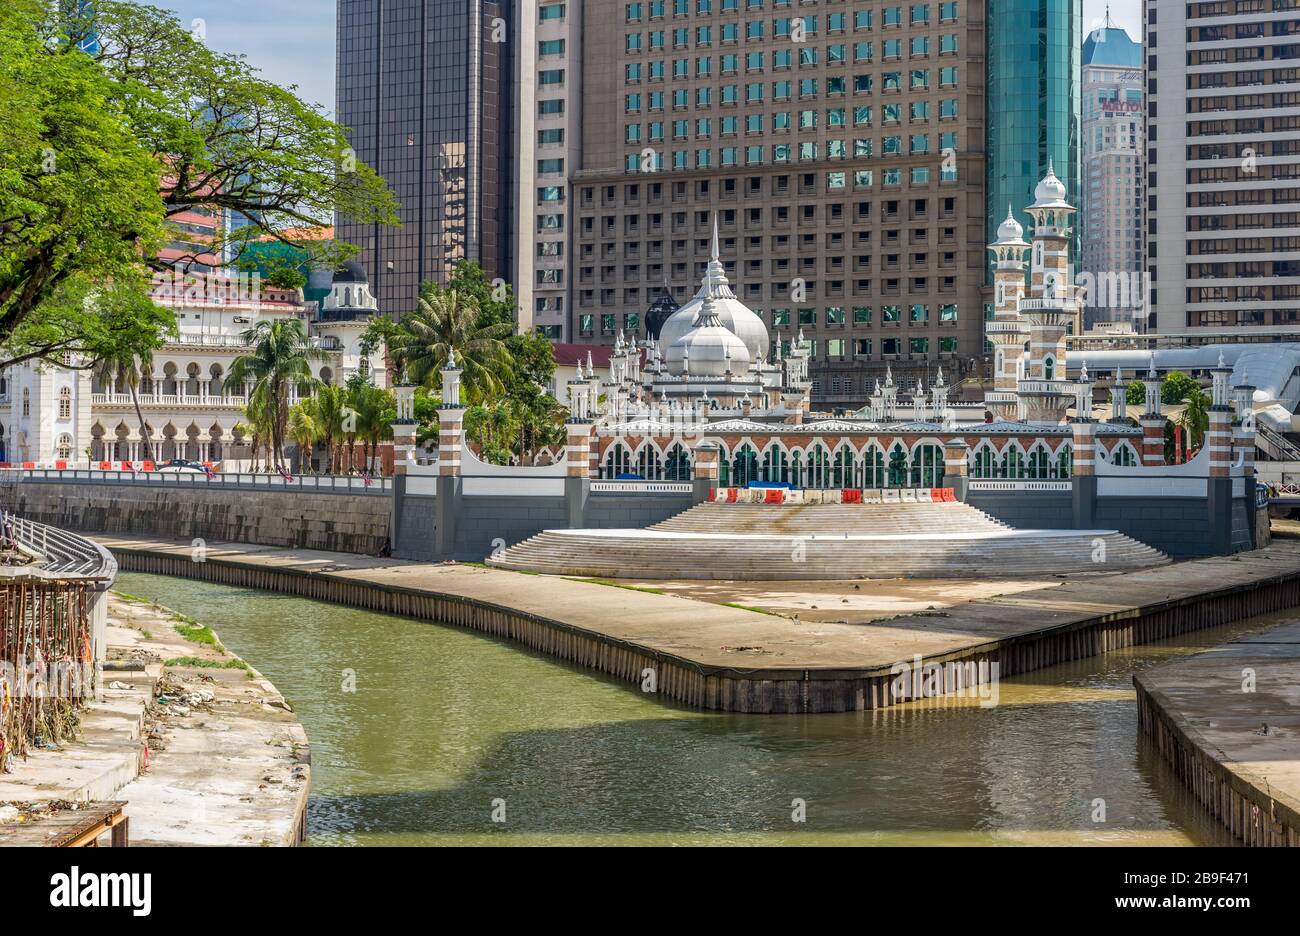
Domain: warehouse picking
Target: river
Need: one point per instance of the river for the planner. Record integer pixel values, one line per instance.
(422, 734)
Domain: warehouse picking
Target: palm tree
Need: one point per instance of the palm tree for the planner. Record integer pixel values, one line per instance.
(126, 367)
(423, 340)
(282, 357)
(304, 431)
(328, 412)
(374, 409)
(1195, 419)
(258, 418)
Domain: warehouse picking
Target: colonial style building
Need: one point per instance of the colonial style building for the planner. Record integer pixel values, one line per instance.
(53, 416)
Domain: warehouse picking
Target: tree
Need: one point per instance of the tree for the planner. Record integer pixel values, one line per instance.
(329, 410)
(1177, 387)
(1195, 419)
(282, 357)
(495, 300)
(421, 341)
(374, 410)
(304, 431)
(99, 149)
(125, 368)
(79, 201)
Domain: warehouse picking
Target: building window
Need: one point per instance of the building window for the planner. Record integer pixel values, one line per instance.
(65, 403)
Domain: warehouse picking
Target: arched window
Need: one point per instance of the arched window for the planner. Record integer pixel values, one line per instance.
(744, 466)
(64, 448)
(776, 464)
(65, 403)
(1013, 463)
(678, 464)
(842, 468)
(986, 462)
(1123, 454)
(874, 467)
(927, 467)
(1049, 368)
(648, 464)
(897, 466)
(1065, 461)
(817, 472)
(27, 402)
(618, 461)
(1039, 461)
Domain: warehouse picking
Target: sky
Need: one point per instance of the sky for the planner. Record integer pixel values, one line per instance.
(292, 41)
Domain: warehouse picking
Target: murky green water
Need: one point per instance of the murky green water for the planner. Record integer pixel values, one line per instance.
(444, 722)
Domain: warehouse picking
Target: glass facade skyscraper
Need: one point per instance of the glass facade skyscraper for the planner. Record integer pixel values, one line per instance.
(425, 91)
(1033, 102)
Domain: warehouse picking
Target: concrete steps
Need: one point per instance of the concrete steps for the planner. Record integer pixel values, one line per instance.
(799, 519)
(820, 542)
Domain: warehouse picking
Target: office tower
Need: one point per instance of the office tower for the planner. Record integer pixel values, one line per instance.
(1114, 156)
(426, 88)
(1223, 192)
(841, 148)
(1033, 66)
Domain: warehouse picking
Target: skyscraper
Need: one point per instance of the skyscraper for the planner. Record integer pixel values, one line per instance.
(425, 87)
(1223, 197)
(1032, 102)
(1114, 157)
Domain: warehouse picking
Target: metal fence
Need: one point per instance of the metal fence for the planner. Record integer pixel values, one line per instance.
(343, 484)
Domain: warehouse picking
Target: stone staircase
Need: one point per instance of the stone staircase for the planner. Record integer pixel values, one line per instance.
(823, 542)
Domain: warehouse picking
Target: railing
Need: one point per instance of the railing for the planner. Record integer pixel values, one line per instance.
(58, 552)
(978, 485)
(355, 484)
(644, 487)
(1286, 450)
(170, 399)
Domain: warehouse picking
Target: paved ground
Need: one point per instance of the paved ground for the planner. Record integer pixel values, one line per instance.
(1254, 734)
(716, 636)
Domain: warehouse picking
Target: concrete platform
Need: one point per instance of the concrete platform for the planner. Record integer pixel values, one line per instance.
(1228, 720)
(734, 659)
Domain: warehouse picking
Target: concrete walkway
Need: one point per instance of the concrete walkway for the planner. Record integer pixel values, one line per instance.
(228, 769)
(713, 637)
(1229, 722)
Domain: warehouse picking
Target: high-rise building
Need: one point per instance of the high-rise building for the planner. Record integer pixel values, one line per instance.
(1223, 173)
(1032, 103)
(840, 146)
(426, 88)
(1114, 157)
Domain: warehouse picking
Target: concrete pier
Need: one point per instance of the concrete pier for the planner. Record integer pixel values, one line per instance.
(731, 659)
(1228, 722)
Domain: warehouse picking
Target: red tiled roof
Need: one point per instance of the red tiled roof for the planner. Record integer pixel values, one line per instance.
(570, 355)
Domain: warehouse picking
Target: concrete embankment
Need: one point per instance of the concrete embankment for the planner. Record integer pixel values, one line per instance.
(203, 749)
(311, 519)
(1228, 722)
(731, 659)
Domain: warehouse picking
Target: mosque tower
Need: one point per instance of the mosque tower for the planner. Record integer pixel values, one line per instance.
(1052, 307)
(1007, 332)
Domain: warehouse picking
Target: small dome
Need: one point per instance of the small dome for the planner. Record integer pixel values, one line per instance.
(351, 272)
(1010, 230)
(709, 349)
(660, 311)
(1050, 192)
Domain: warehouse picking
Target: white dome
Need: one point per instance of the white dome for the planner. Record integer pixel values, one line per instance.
(732, 314)
(1010, 231)
(709, 349)
(1050, 192)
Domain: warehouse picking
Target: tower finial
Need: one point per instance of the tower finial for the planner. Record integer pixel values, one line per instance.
(716, 255)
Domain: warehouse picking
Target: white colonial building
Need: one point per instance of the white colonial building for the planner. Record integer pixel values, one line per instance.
(53, 416)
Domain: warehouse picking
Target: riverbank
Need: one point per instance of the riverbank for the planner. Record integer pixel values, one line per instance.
(727, 658)
(203, 749)
(1228, 722)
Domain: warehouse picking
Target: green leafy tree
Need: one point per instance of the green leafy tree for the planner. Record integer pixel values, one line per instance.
(374, 410)
(281, 358)
(79, 202)
(330, 410)
(304, 431)
(495, 301)
(1177, 387)
(1195, 418)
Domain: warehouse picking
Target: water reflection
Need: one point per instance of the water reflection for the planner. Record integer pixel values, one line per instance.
(445, 723)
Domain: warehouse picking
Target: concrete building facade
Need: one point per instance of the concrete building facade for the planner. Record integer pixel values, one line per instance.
(1114, 160)
(1223, 152)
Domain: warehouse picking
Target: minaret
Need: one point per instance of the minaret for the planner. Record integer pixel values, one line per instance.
(1052, 308)
(1006, 332)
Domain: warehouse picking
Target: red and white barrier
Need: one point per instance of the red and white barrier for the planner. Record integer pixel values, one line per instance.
(732, 495)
